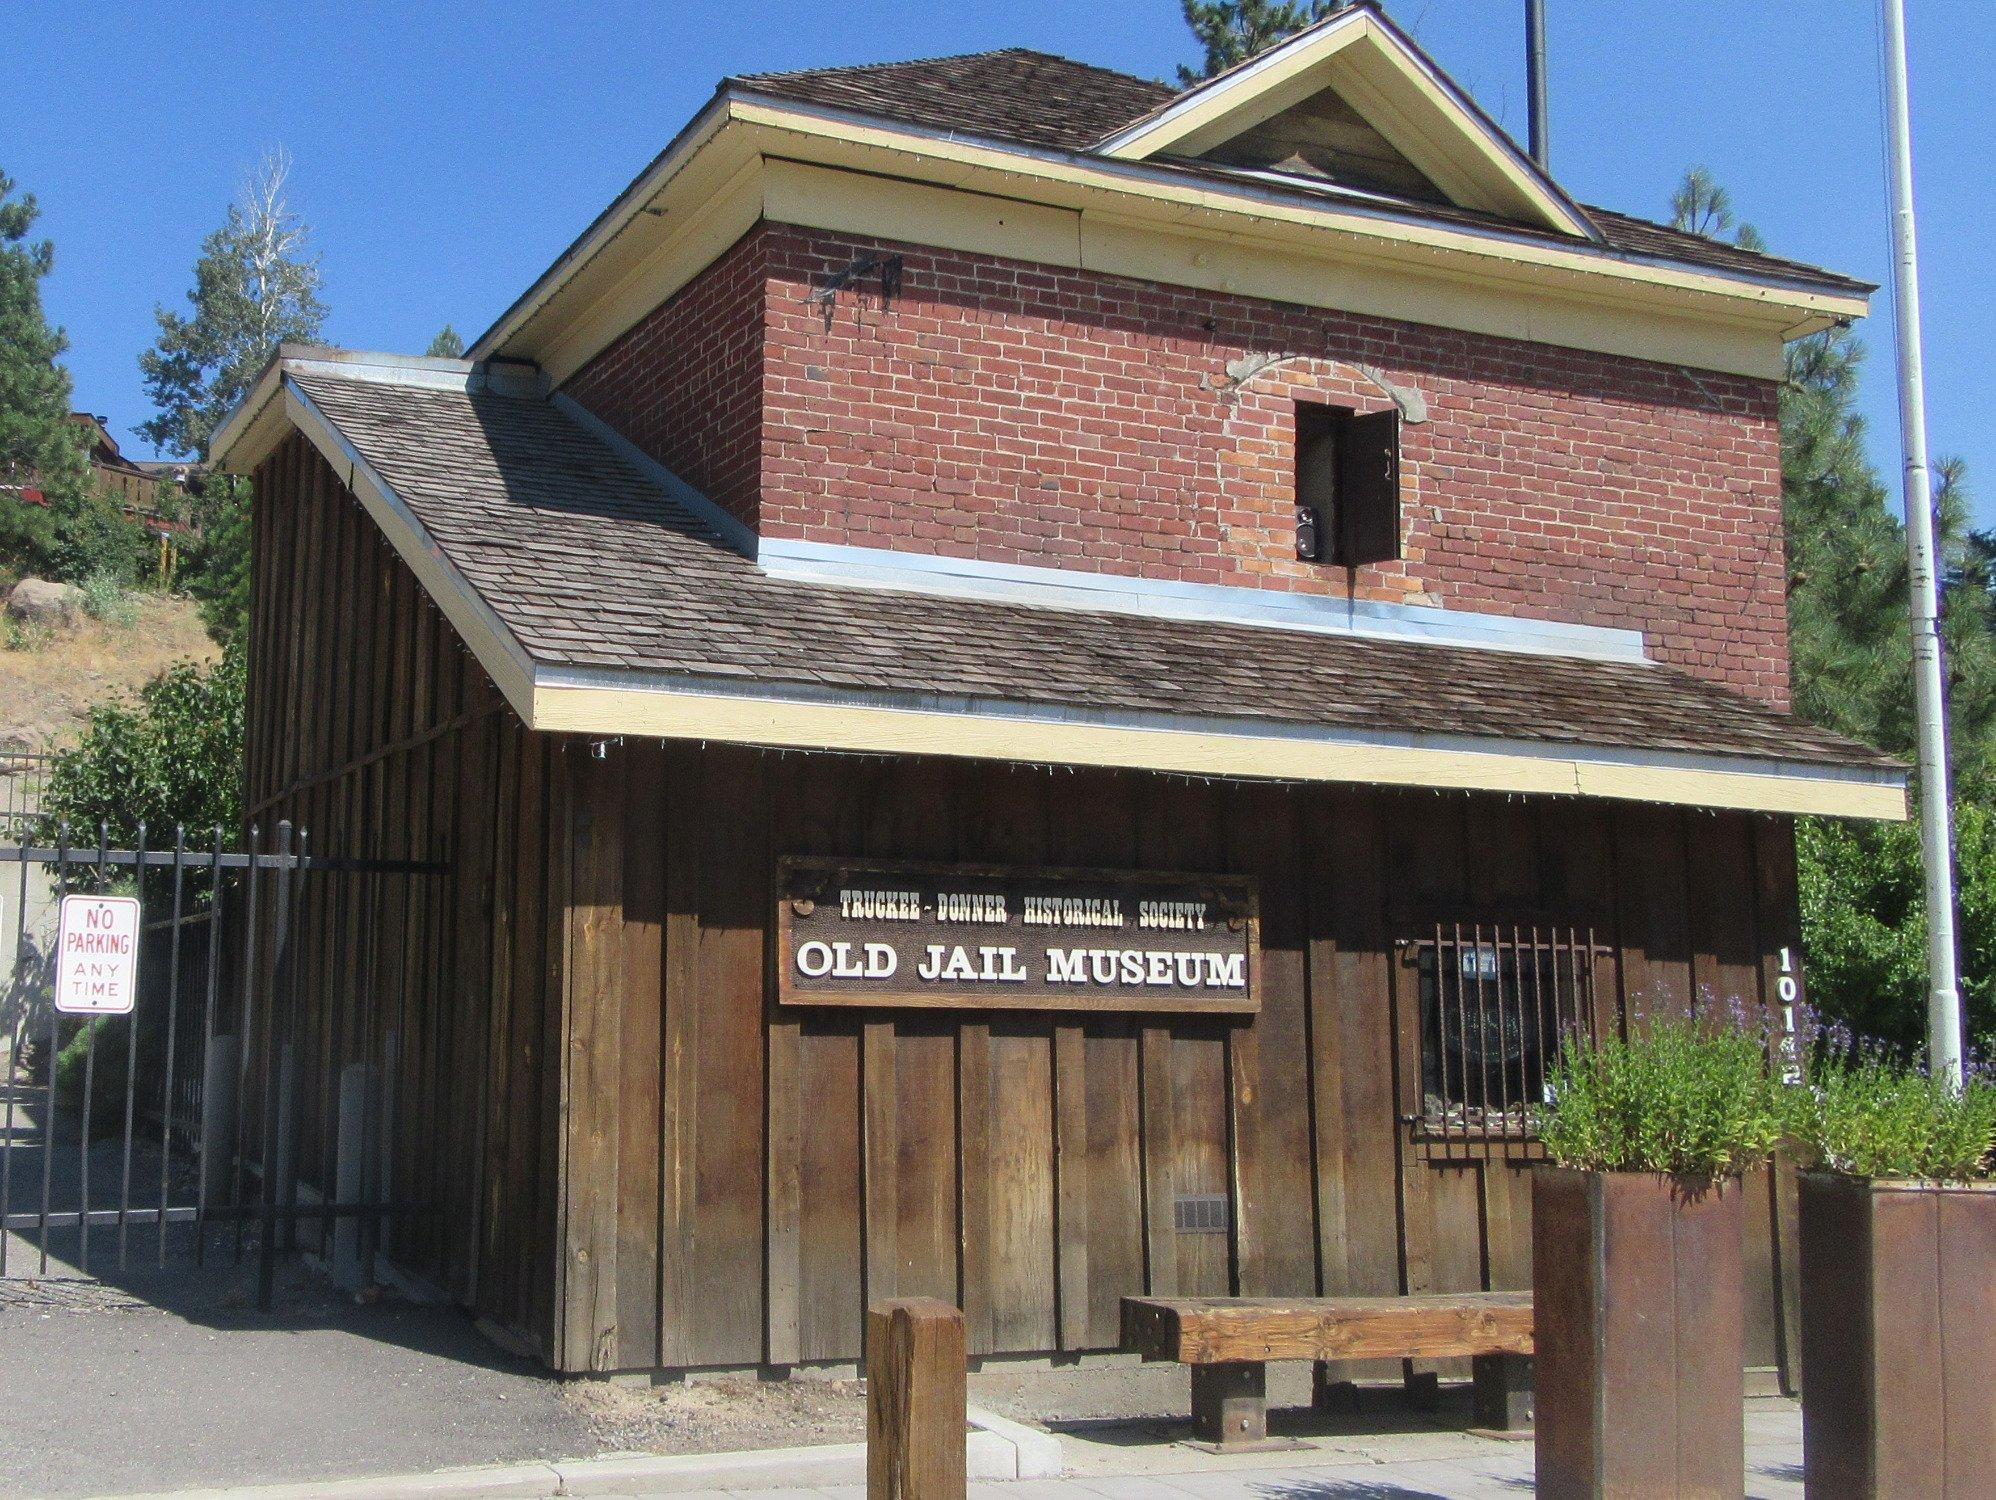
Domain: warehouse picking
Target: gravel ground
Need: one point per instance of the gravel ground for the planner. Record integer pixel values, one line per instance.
(719, 1416)
(168, 1383)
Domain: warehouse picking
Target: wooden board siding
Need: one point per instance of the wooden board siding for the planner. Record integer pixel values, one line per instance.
(637, 1159)
(369, 727)
(1026, 1166)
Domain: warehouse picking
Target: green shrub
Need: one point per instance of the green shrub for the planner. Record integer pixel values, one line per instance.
(176, 756)
(106, 598)
(106, 1074)
(1870, 1115)
(1695, 1097)
(24, 636)
(93, 537)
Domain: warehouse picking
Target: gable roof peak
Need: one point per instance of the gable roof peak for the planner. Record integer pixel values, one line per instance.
(1382, 75)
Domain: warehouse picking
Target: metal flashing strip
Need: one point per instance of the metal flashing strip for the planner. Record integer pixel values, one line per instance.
(1054, 588)
(731, 531)
(582, 700)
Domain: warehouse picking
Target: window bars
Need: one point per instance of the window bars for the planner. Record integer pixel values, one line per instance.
(1494, 1001)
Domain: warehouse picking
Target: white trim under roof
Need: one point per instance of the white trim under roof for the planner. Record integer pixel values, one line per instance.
(593, 701)
(1229, 604)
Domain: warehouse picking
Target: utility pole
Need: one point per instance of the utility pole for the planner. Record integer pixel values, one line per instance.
(1936, 833)
(1535, 80)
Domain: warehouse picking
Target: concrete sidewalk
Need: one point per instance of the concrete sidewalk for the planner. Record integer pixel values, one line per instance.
(1117, 1461)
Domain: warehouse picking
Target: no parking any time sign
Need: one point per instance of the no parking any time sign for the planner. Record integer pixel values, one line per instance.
(97, 956)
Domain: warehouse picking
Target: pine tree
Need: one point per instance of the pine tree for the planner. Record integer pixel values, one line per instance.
(1701, 206)
(446, 345)
(1232, 31)
(39, 446)
(256, 286)
(1850, 653)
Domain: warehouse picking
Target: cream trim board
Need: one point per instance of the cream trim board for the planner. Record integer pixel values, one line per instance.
(1398, 92)
(1170, 199)
(578, 311)
(1418, 290)
(1242, 98)
(792, 723)
(702, 234)
(628, 208)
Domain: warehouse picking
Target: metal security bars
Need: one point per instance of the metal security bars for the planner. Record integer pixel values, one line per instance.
(171, 1132)
(22, 776)
(1494, 1001)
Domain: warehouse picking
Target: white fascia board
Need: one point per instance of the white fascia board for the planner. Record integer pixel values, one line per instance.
(227, 449)
(1330, 37)
(249, 432)
(607, 225)
(1271, 609)
(1243, 79)
(488, 637)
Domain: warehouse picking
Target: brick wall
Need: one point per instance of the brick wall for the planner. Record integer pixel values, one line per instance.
(685, 384)
(1026, 414)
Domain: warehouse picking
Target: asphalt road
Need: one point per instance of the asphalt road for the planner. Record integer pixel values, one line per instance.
(180, 1382)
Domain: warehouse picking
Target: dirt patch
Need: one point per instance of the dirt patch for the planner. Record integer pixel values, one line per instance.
(720, 1416)
(49, 684)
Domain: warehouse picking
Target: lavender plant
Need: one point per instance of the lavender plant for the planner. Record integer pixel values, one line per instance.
(1683, 1095)
(1869, 1114)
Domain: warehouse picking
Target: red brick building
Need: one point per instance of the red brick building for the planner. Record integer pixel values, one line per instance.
(1035, 688)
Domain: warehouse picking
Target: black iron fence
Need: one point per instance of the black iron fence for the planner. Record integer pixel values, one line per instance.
(23, 773)
(171, 1129)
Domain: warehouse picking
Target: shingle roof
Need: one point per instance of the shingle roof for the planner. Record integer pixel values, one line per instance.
(589, 564)
(1036, 99)
(1014, 94)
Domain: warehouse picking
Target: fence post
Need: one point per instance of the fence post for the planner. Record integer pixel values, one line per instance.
(360, 1096)
(286, 1164)
(915, 1401)
(218, 1117)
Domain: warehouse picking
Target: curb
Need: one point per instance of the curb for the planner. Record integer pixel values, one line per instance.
(995, 1448)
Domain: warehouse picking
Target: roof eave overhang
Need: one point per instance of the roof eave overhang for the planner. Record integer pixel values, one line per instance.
(600, 702)
(706, 190)
(606, 703)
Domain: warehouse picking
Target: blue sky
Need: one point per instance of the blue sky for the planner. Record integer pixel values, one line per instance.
(446, 152)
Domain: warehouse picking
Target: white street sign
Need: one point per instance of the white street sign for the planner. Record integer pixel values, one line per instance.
(97, 956)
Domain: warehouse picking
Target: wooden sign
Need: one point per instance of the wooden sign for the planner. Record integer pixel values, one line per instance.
(97, 956)
(854, 932)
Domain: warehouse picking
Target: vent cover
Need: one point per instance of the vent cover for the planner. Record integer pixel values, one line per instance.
(1200, 1213)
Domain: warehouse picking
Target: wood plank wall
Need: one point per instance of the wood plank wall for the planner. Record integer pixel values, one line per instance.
(370, 728)
(634, 1160)
(743, 1180)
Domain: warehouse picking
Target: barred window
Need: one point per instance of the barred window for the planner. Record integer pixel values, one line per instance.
(1495, 1000)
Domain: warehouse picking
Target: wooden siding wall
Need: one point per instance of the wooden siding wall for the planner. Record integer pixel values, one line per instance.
(372, 729)
(632, 1159)
(741, 1181)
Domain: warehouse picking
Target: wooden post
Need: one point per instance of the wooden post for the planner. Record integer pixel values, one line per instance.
(915, 1401)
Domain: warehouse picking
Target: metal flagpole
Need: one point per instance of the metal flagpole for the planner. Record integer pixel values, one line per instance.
(1535, 81)
(1936, 836)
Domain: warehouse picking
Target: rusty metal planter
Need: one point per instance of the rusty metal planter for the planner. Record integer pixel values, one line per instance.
(1636, 1281)
(1898, 1337)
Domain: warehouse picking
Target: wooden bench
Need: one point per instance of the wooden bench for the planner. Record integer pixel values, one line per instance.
(1229, 1340)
